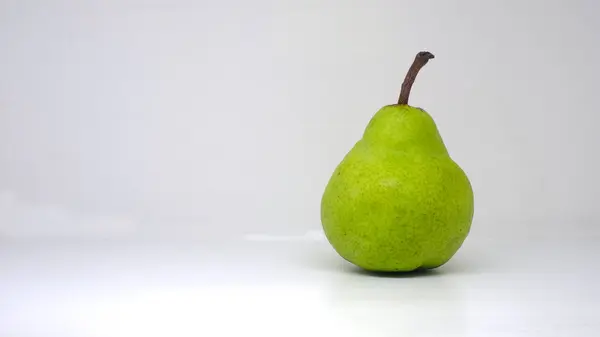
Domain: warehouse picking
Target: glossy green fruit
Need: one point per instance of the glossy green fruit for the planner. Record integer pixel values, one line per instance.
(397, 201)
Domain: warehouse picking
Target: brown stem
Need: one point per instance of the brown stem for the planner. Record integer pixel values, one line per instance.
(420, 60)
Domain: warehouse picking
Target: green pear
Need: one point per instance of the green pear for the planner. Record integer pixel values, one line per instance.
(397, 201)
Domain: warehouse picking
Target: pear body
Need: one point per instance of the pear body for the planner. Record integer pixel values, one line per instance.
(397, 201)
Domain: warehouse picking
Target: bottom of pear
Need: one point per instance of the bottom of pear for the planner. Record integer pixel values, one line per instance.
(399, 267)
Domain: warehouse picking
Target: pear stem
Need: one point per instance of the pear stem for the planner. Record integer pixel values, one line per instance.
(420, 60)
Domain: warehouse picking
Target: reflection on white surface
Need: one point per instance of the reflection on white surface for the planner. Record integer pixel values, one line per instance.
(291, 289)
(313, 235)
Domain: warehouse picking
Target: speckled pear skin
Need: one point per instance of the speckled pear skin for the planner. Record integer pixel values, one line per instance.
(397, 201)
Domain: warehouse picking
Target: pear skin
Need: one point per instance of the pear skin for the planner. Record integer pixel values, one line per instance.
(397, 201)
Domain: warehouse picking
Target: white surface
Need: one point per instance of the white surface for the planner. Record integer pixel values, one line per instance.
(535, 287)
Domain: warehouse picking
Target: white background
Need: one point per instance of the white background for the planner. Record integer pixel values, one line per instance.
(198, 117)
(210, 120)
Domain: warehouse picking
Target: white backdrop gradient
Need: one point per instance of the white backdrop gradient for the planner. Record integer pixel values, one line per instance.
(195, 118)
